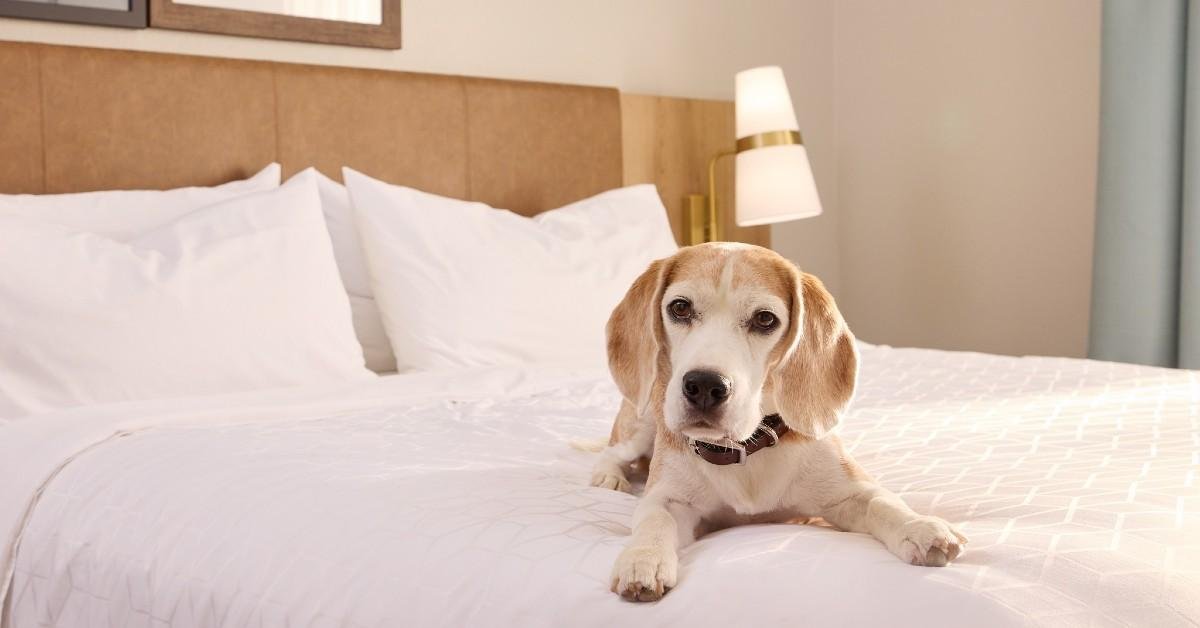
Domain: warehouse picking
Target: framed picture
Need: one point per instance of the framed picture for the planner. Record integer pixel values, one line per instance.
(127, 13)
(367, 23)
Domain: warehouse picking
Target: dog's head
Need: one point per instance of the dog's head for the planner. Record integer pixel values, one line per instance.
(719, 335)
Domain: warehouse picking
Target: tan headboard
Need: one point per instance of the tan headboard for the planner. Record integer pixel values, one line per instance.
(80, 119)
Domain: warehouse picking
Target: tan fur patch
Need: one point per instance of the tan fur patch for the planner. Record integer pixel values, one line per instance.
(814, 382)
(853, 470)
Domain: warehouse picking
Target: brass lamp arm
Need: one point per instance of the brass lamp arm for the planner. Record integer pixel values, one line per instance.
(712, 226)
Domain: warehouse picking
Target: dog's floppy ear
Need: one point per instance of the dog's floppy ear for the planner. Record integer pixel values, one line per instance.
(814, 379)
(635, 332)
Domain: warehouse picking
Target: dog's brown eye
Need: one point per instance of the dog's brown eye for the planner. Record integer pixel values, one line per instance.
(680, 309)
(765, 321)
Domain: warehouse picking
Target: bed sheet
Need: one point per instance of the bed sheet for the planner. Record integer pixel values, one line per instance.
(453, 499)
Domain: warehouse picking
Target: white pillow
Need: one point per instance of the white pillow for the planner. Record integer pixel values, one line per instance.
(236, 296)
(126, 214)
(347, 248)
(462, 284)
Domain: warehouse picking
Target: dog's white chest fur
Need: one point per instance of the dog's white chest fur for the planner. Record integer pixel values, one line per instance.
(766, 483)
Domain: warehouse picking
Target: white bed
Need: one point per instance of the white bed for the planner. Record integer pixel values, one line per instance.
(453, 499)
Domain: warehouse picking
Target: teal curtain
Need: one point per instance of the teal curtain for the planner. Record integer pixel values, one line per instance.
(1146, 275)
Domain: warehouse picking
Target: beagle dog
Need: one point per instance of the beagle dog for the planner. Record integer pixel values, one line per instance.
(735, 367)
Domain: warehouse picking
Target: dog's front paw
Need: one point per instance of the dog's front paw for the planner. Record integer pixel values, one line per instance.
(610, 479)
(929, 541)
(644, 573)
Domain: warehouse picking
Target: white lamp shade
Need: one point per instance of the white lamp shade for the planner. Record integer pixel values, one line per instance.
(763, 102)
(775, 184)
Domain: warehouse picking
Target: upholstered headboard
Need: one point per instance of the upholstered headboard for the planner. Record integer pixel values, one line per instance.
(79, 119)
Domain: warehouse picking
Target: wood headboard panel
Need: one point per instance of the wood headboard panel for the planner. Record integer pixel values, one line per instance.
(78, 119)
(81, 119)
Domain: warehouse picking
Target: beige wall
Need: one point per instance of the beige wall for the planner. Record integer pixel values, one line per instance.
(953, 142)
(966, 136)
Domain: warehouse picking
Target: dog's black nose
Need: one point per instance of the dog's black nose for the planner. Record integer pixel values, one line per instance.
(705, 389)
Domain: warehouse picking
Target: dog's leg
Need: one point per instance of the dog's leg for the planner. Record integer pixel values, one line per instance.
(916, 539)
(649, 565)
(610, 469)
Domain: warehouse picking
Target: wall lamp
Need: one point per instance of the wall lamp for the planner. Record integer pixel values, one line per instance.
(773, 180)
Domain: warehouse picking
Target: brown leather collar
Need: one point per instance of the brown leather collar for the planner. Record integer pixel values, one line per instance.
(768, 434)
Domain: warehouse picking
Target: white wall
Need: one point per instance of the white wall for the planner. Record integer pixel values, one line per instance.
(966, 143)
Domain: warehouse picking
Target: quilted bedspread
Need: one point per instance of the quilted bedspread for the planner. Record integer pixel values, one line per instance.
(454, 500)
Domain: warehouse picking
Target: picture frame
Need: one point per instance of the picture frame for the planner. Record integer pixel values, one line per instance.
(133, 15)
(212, 19)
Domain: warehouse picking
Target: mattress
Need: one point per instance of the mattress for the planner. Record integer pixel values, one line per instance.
(453, 499)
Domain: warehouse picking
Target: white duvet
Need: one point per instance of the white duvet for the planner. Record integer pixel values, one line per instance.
(453, 500)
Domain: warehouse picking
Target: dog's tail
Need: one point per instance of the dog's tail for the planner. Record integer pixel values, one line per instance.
(595, 445)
